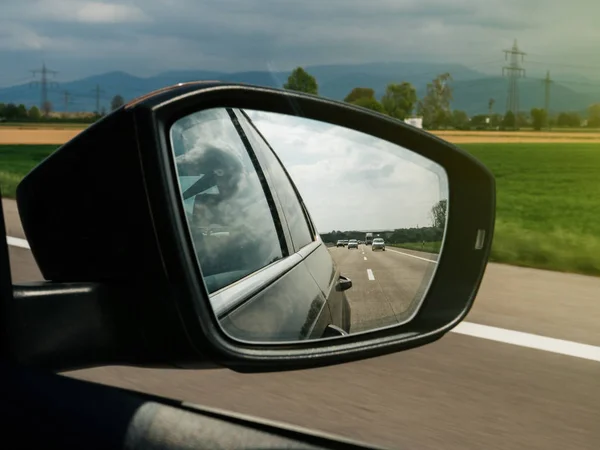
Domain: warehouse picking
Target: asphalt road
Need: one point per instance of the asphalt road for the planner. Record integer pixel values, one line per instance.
(387, 286)
(461, 392)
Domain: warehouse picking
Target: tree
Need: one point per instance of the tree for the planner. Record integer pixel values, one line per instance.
(568, 119)
(34, 113)
(491, 102)
(399, 100)
(522, 119)
(438, 214)
(594, 115)
(47, 108)
(435, 106)
(11, 112)
(509, 120)
(21, 112)
(359, 92)
(301, 81)
(479, 121)
(539, 118)
(116, 102)
(369, 103)
(460, 120)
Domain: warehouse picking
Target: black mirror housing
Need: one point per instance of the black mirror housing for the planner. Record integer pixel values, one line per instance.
(105, 209)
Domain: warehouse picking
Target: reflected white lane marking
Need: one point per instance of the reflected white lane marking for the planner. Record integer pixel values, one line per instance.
(17, 242)
(412, 256)
(528, 340)
(518, 338)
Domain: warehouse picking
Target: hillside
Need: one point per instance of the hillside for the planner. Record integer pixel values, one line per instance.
(472, 89)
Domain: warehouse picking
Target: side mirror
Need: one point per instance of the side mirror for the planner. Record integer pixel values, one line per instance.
(345, 283)
(196, 217)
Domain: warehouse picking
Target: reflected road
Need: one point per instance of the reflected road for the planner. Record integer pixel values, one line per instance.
(387, 286)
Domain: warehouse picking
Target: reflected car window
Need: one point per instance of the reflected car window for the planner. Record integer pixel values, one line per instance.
(294, 213)
(230, 220)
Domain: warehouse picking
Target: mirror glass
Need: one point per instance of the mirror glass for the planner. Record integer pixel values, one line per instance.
(307, 230)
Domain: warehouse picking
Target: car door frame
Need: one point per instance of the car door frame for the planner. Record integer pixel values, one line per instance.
(248, 290)
(334, 295)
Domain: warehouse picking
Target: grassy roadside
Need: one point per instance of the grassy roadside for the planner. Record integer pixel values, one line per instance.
(548, 204)
(429, 247)
(16, 161)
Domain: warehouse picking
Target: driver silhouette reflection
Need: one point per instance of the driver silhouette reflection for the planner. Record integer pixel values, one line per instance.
(228, 205)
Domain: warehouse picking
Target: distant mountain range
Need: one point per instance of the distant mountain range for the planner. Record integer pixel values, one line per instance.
(472, 89)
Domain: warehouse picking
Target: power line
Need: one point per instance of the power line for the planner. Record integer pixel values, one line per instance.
(44, 71)
(67, 100)
(98, 91)
(514, 72)
(547, 82)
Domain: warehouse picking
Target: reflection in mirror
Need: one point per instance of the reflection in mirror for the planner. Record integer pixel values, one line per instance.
(307, 230)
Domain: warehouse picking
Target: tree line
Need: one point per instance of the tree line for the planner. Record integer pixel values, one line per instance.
(11, 112)
(432, 233)
(400, 101)
(398, 236)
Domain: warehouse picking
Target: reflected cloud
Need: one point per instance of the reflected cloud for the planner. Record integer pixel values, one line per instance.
(351, 180)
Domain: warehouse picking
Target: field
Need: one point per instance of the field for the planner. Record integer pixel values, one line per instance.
(548, 204)
(58, 133)
(548, 189)
(16, 161)
(37, 134)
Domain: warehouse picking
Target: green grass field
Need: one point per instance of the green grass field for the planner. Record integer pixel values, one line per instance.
(548, 200)
(16, 161)
(429, 247)
(548, 204)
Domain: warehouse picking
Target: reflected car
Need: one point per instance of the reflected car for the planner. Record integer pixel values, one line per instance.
(340, 243)
(250, 267)
(353, 243)
(378, 244)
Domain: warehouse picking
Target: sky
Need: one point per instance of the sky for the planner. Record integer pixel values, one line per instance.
(350, 180)
(144, 37)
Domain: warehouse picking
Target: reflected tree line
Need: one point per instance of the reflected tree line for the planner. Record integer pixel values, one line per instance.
(432, 233)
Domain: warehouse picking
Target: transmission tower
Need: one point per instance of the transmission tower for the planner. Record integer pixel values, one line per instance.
(514, 71)
(547, 82)
(67, 100)
(98, 91)
(44, 83)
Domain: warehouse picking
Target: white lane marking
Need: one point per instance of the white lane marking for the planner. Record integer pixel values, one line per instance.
(365, 258)
(528, 340)
(503, 335)
(413, 256)
(17, 242)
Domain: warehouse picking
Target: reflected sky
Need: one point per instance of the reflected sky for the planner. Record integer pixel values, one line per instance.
(350, 180)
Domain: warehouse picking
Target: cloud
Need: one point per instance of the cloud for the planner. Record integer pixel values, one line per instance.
(64, 11)
(233, 35)
(350, 180)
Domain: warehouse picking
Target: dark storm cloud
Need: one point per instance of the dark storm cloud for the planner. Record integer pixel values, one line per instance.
(157, 35)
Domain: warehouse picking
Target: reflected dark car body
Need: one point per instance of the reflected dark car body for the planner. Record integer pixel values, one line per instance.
(298, 296)
(353, 243)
